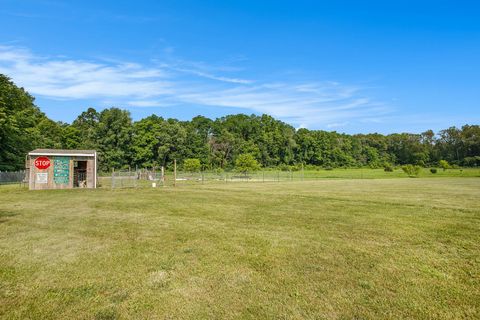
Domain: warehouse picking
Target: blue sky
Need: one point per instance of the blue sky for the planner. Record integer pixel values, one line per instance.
(349, 66)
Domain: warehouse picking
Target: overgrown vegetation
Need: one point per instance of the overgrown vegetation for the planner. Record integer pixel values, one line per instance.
(155, 141)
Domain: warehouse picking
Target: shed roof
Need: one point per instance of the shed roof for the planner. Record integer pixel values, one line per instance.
(62, 152)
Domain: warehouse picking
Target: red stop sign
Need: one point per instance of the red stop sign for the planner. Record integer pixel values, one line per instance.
(42, 163)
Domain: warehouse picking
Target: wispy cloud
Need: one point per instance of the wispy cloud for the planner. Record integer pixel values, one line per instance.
(308, 104)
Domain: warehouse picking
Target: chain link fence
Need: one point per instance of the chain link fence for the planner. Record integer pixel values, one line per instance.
(148, 178)
(15, 177)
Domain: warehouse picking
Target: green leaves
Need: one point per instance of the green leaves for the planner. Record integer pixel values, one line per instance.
(246, 163)
(192, 165)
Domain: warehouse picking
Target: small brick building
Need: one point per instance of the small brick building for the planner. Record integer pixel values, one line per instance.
(61, 169)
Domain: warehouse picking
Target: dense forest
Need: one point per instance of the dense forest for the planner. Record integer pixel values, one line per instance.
(155, 141)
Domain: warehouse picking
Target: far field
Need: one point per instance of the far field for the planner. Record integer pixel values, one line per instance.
(323, 249)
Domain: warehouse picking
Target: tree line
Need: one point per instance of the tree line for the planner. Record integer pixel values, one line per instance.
(155, 141)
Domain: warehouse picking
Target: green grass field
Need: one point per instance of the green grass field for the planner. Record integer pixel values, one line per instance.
(323, 249)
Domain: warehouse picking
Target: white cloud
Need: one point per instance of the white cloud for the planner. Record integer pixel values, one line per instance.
(306, 104)
(58, 78)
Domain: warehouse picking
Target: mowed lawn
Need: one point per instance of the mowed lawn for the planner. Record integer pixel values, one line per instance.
(327, 249)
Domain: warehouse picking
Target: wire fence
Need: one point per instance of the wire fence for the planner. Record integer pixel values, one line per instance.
(148, 178)
(16, 177)
(155, 177)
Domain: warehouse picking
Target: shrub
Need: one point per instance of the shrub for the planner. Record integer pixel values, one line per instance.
(421, 163)
(328, 168)
(433, 170)
(471, 161)
(444, 164)
(191, 165)
(297, 167)
(246, 163)
(388, 168)
(285, 167)
(411, 170)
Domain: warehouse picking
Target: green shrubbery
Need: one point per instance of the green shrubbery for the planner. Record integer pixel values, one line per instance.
(411, 170)
(433, 170)
(388, 168)
(192, 165)
(444, 164)
(246, 163)
(286, 167)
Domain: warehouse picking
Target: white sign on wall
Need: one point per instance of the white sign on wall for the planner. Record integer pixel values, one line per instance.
(42, 177)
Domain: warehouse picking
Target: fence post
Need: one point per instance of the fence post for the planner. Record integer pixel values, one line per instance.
(175, 172)
(113, 179)
(135, 177)
(121, 180)
(202, 177)
(163, 176)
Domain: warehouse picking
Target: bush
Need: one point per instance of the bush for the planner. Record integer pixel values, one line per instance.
(388, 168)
(433, 170)
(472, 161)
(411, 170)
(444, 164)
(328, 168)
(286, 167)
(421, 163)
(218, 170)
(191, 165)
(246, 163)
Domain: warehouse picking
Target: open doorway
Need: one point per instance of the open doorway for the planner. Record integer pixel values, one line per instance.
(80, 174)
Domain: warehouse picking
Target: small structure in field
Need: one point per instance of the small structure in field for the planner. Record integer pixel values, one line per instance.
(61, 169)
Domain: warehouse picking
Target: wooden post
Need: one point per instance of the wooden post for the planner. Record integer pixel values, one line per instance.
(135, 176)
(175, 172)
(163, 176)
(113, 179)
